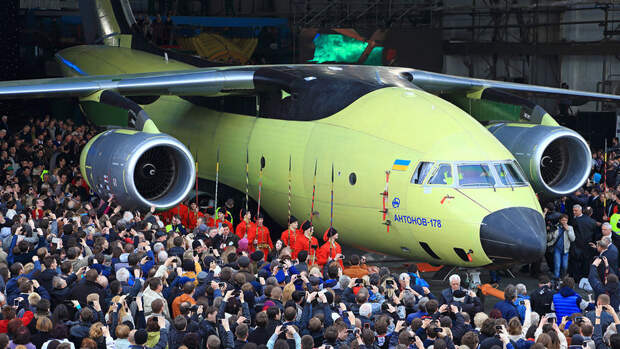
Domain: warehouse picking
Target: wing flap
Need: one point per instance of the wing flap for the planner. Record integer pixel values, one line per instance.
(441, 83)
(182, 83)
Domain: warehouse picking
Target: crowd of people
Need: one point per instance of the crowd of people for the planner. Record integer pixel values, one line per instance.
(77, 271)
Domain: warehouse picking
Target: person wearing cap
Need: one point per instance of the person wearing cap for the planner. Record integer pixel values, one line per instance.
(289, 236)
(307, 242)
(243, 229)
(331, 250)
(259, 236)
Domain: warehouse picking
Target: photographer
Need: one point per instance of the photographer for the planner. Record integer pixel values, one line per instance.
(610, 287)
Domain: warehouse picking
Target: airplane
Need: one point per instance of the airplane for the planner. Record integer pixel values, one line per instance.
(416, 174)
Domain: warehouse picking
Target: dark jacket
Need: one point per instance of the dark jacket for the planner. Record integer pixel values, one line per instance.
(84, 288)
(261, 335)
(611, 288)
(541, 300)
(508, 309)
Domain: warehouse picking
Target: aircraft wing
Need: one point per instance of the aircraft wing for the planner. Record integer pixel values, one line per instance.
(204, 82)
(440, 83)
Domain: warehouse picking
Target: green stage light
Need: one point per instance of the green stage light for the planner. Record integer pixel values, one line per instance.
(343, 49)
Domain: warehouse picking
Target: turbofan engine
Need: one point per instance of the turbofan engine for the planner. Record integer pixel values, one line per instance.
(140, 169)
(556, 160)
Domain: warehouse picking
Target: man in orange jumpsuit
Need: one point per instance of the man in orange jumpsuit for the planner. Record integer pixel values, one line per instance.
(222, 220)
(243, 229)
(289, 236)
(331, 250)
(307, 242)
(259, 237)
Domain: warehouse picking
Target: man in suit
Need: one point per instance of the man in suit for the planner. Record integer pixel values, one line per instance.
(585, 229)
(609, 253)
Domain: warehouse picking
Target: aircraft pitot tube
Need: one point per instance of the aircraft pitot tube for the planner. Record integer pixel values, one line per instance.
(556, 160)
(140, 169)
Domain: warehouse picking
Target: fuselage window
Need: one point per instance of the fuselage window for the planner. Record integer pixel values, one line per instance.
(420, 172)
(475, 175)
(443, 175)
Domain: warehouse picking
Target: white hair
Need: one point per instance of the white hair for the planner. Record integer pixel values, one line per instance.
(403, 276)
(366, 310)
(535, 318)
(122, 275)
(162, 255)
(577, 206)
(127, 217)
(158, 247)
(455, 277)
(521, 289)
(606, 226)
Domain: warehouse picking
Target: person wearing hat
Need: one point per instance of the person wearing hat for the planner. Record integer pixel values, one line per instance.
(307, 242)
(331, 250)
(243, 229)
(259, 236)
(289, 236)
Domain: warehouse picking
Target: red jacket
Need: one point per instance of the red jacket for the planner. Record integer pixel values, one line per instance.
(323, 254)
(289, 237)
(262, 235)
(304, 244)
(28, 316)
(192, 218)
(244, 229)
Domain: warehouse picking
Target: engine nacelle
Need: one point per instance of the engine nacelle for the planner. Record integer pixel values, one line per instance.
(140, 169)
(556, 160)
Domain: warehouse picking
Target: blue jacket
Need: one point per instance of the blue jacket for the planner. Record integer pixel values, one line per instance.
(508, 309)
(566, 303)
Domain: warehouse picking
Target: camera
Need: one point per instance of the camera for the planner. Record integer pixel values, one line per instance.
(359, 281)
(498, 328)
(579, 319)
(522, 302)
(222, 284)
(367, 325)
(194, 308)
(389, 282)
(437, 329)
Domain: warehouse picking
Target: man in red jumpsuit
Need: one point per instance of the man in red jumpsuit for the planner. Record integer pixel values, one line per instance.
(243, 229)
(289, 236)
(259, 237)
(331, 250)
(193, 215)
(307, 242)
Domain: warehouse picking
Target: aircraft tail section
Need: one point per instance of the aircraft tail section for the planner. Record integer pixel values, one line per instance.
(112, 23)
(108, 22)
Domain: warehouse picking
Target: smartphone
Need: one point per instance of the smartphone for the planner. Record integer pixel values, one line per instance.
(522, 302)
(222, 284)
(437, 329)
(389, 282)
(15, 302)
(350, 330)
(341, 256)
(579, 319)
(498, 328)
(359, 281)
(56, 241)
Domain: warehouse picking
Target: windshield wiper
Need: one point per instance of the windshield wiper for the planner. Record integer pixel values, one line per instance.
(487, 174)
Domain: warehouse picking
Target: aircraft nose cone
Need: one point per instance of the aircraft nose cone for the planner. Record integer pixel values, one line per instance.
(515, 234)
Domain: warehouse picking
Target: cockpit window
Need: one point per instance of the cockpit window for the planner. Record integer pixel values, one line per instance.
(443, 175)
(475, 175)
(509, 174)
(420, 172)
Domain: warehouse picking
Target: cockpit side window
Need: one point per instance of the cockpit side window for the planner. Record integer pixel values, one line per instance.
(421, 172)
(509, 174)
(443, 175)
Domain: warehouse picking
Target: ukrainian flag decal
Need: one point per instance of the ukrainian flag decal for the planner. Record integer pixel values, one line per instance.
(401, 165)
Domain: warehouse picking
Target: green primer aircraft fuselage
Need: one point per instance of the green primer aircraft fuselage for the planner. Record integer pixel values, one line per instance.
(365, 138)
